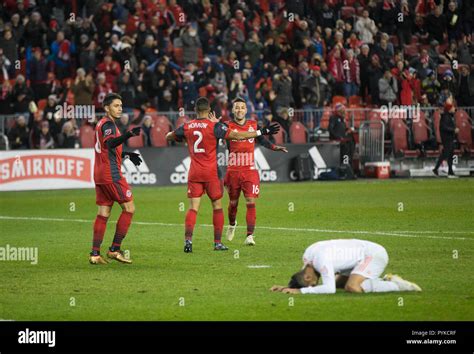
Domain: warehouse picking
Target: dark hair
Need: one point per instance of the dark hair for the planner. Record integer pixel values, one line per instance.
(202, 105)
(297, 280)
(110, 97)
(238, 99)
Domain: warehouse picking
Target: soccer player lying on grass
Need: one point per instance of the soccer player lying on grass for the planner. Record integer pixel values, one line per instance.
(242, 174)
(110, 185)
(355, 265)
(202, 135)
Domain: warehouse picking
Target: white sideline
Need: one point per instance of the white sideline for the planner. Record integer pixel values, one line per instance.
(416, 234)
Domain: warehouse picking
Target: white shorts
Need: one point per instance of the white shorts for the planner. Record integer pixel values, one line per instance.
(374, 263)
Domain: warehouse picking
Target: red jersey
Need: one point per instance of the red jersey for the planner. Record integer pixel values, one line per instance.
(241, 152)
(202, 137)
(108, 163)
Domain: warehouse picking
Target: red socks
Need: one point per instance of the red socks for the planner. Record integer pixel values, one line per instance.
(99, 230)
(218, 221)
(121, 230)
(251, 218)
(232, 212)
(189, 224)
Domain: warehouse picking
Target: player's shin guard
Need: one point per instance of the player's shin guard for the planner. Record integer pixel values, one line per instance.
(251, 218)
(189, 224)
(121, 230)
(218, 221)
(378, 286)
(232, 212)
(99, 230)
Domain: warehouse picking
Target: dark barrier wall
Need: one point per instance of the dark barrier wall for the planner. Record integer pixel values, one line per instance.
(169, 166)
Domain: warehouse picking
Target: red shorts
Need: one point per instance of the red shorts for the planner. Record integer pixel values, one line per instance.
(107, 194)
(246, 181)
(213, 189)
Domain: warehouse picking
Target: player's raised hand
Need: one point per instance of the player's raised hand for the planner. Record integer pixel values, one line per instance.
(271, 130)
(135, 131)
(213, 118)
(280, 148)
(134, 157)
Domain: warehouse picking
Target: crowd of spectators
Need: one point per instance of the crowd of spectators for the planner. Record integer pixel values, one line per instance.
(276, 54)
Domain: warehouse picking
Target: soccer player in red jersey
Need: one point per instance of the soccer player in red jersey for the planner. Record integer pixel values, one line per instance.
(242, 174)
(110, 185)
(202, 136)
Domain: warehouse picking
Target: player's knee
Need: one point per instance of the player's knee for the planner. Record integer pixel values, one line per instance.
(353, 288)
(129, 208)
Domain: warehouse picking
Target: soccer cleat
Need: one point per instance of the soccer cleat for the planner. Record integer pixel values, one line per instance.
(118, 256)
(435, 172)
(220, 247)
(231, 231)
(403, 284)
(188, 246)
(97, 260)
(249, 241)
(453, 176)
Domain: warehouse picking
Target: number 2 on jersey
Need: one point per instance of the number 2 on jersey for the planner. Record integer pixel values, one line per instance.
(196, 143)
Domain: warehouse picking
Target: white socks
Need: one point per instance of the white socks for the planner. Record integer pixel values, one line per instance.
(378, 286)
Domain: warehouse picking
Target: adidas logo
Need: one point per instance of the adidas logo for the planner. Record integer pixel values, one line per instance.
(137, 174)
(181, 172)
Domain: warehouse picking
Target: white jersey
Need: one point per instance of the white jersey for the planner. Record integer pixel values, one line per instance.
(338, 256)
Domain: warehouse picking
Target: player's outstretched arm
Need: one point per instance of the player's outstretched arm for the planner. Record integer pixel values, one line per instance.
(266, 144)
(271, 130)
(114, 142)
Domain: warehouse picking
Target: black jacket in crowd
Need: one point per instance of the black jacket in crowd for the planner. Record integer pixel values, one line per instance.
(447, 126)
(337, 128)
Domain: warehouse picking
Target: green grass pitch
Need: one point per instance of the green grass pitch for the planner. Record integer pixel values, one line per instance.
(427, 227)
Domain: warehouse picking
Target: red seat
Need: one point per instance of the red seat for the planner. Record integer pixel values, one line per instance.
(298, 133)
(280, 137)
(135, 141)
(411, 50)
(158, 136)
(349, 2)
(339, 99)
(161, 127)
(400, 140)
(162, 121)
(347, 12)
(86, 136)
(421, 133)
(464, 123)
(355, 100)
